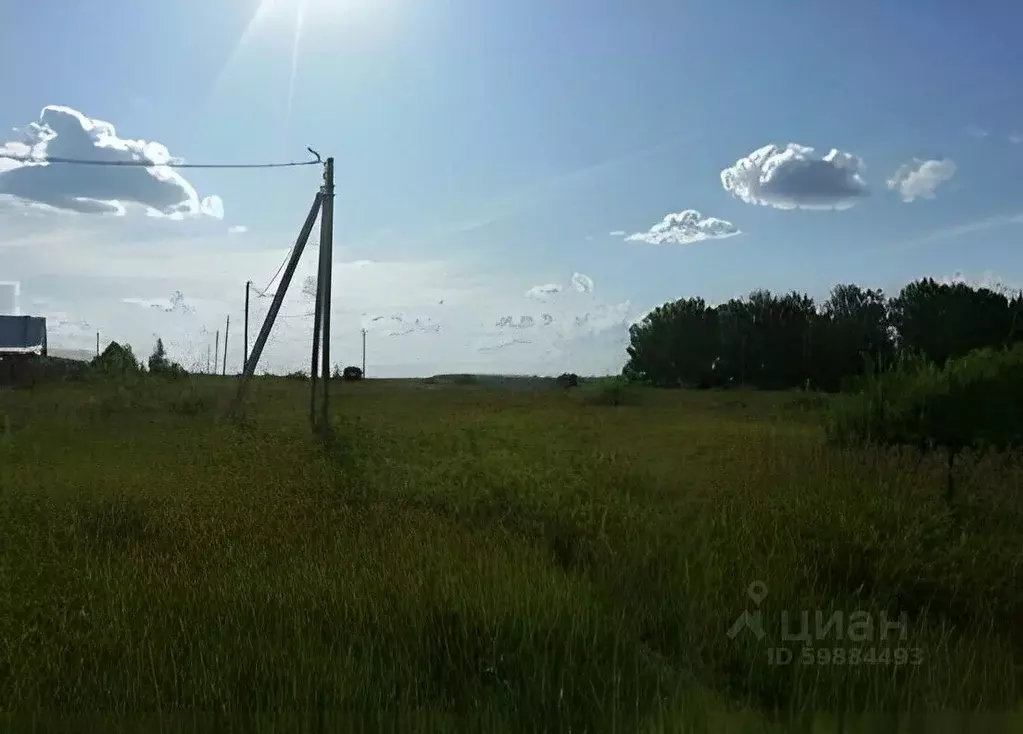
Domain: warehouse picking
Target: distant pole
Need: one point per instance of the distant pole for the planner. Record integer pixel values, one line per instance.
(363, 352)
(97, 343)
(207, 359)
(327, 243)
(216, 353)
(227, 330)
(245, 336)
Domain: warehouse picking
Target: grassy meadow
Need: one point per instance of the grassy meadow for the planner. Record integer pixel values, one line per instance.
(465, 557)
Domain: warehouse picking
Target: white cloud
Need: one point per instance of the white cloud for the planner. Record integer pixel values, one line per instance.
(1016, 138)
(63, 132)
(582, 283)
(616, 233)
(793, 177)
(685, 227)
(919, 178)
(237, 229)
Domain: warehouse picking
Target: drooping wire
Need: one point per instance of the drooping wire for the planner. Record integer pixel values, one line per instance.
(150, 164)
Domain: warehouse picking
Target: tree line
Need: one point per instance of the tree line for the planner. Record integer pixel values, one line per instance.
(783, 341)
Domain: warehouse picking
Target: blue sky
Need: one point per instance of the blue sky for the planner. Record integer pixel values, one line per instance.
(495, 145)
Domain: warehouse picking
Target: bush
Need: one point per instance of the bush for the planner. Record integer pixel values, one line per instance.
(160, 365)
(568, 379)
(297, 375)
(351, 373)
(116, 360)
(973, 402)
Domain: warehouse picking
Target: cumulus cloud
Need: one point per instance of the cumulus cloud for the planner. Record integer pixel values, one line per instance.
(919, 178)
(684, 228)
(63, 132)
(582, 283)
(793, 177)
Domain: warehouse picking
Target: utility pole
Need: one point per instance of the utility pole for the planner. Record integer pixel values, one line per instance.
(207, 359)
(216, 353)
(364, 352)
(289, 272)
(314, 367)
(327, 253)
(227, 330)
(97, 343)
(245, 337)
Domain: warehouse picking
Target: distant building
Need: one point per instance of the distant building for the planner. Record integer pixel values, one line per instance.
(22, 344)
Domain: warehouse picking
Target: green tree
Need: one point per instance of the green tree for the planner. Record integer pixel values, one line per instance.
(943, 321)
(676, 344)
(158, 359)
(854, 330)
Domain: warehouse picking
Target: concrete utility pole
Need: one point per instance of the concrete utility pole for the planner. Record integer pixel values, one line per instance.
(327, 245)
(275, 306)
(363, 352)
(216, 353)
(321, 312)
(245, 337)
(227, 330)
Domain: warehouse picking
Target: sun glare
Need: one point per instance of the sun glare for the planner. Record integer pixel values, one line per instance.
(294, 17)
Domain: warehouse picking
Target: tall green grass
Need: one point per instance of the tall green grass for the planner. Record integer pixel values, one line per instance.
(498, 559)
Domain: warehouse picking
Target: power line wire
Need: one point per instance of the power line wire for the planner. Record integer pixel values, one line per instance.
(150, 164)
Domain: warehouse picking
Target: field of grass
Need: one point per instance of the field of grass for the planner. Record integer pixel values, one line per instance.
(475, 557)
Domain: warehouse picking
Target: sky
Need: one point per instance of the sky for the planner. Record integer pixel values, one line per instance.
(517, 181)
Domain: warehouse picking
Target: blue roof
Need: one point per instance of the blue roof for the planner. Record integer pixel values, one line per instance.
(22, 334)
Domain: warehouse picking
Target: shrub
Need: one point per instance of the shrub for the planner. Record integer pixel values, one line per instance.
(568, 379)
(116, 360)
(352, 373)
(973, 402)
(297, 375)
(160, 365)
